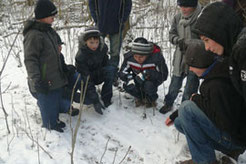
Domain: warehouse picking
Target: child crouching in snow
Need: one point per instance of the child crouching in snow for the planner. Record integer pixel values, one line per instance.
(215, 118)
(142, 71)
(92, 62)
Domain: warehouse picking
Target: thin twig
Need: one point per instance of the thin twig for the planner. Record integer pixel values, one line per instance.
(36, 143)
(106, 147)
(115, 153)
(125, 154)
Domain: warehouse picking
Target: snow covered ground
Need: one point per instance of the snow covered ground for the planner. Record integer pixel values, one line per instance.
(121, 134)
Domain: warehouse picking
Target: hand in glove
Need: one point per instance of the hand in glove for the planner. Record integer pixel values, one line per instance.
(182, 45)
(71, 70)
(140, 78)
(42, 87)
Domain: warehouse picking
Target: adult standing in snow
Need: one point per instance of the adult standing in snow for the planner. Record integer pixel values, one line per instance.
(215, 118)
(180, 32)
(222, 32)
(143, 70)
(46, 77)
(110, 17)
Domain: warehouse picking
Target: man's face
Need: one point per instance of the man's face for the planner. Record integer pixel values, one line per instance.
(92, 43)
(48, 20)
(211, 45)
(140, 58)
(186, 11)
(197, 71)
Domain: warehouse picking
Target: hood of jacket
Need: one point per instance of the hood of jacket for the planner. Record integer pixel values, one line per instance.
(220, 23)
(34, 24)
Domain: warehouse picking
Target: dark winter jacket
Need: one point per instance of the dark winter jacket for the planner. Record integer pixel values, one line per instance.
(90, 63)
(219, 100)
(182, 29)
(41, 55)
(219, 22)
(154, 66)
(110, 14)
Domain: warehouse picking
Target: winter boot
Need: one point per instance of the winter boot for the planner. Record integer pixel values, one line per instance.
(234, 153)
(107, 103)
(138, 102)
(57, 128)
(61, 124)
(150, 104)
(73, 111)
(98, 108)
(190, 161)
(166, 108)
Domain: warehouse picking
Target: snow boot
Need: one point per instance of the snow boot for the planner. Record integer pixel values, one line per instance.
(98, 108)
(234, 153)
(166, 108)
(61, 124)
(138, 102)
(73, 112)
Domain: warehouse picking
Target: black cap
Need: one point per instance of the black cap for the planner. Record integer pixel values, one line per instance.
(196, 55)
(141, 46)
(187, 3)
(44, 8)
(91, 32)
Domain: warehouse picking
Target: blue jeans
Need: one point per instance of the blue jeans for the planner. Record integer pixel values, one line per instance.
(202, 136)
(191, 87)
(50, 105)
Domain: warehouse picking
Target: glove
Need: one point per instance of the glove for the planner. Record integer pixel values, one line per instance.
(140, 78)
(71, 70)
(42, 87)
(182, 45)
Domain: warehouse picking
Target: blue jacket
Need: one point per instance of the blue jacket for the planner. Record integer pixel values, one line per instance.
(110, 14)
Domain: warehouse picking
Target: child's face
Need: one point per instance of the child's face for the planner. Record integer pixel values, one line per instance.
(211, 45)
(92, 43)
(186, 11)
(48, 20)
(140, 58)
(197, 71)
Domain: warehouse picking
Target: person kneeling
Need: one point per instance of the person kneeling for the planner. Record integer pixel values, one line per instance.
(142, 71)
(215, 118)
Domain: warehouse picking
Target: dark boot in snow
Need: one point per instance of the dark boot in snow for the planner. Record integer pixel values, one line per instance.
(166, 108)
(98, 108)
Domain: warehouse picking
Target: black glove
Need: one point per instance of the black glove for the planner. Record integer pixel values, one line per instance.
(174, 115)
(182, 45)
(41, 87)
(71, 68)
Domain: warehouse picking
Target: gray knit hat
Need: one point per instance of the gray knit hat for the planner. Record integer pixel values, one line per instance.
(141, 46)
(91, 32)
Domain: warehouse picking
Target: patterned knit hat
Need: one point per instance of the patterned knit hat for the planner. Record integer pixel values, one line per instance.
(141, 46)
(44, 8)
(196, 55)
(187, 3)
(91, 32)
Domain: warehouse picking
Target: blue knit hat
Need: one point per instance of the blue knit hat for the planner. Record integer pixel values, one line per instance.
(187, 3)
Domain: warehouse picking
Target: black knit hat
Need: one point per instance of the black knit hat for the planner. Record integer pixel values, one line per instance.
(44, 8)
(220, 23)
(187, 3)
(196, 55)
(141, 46)
(91, 32)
